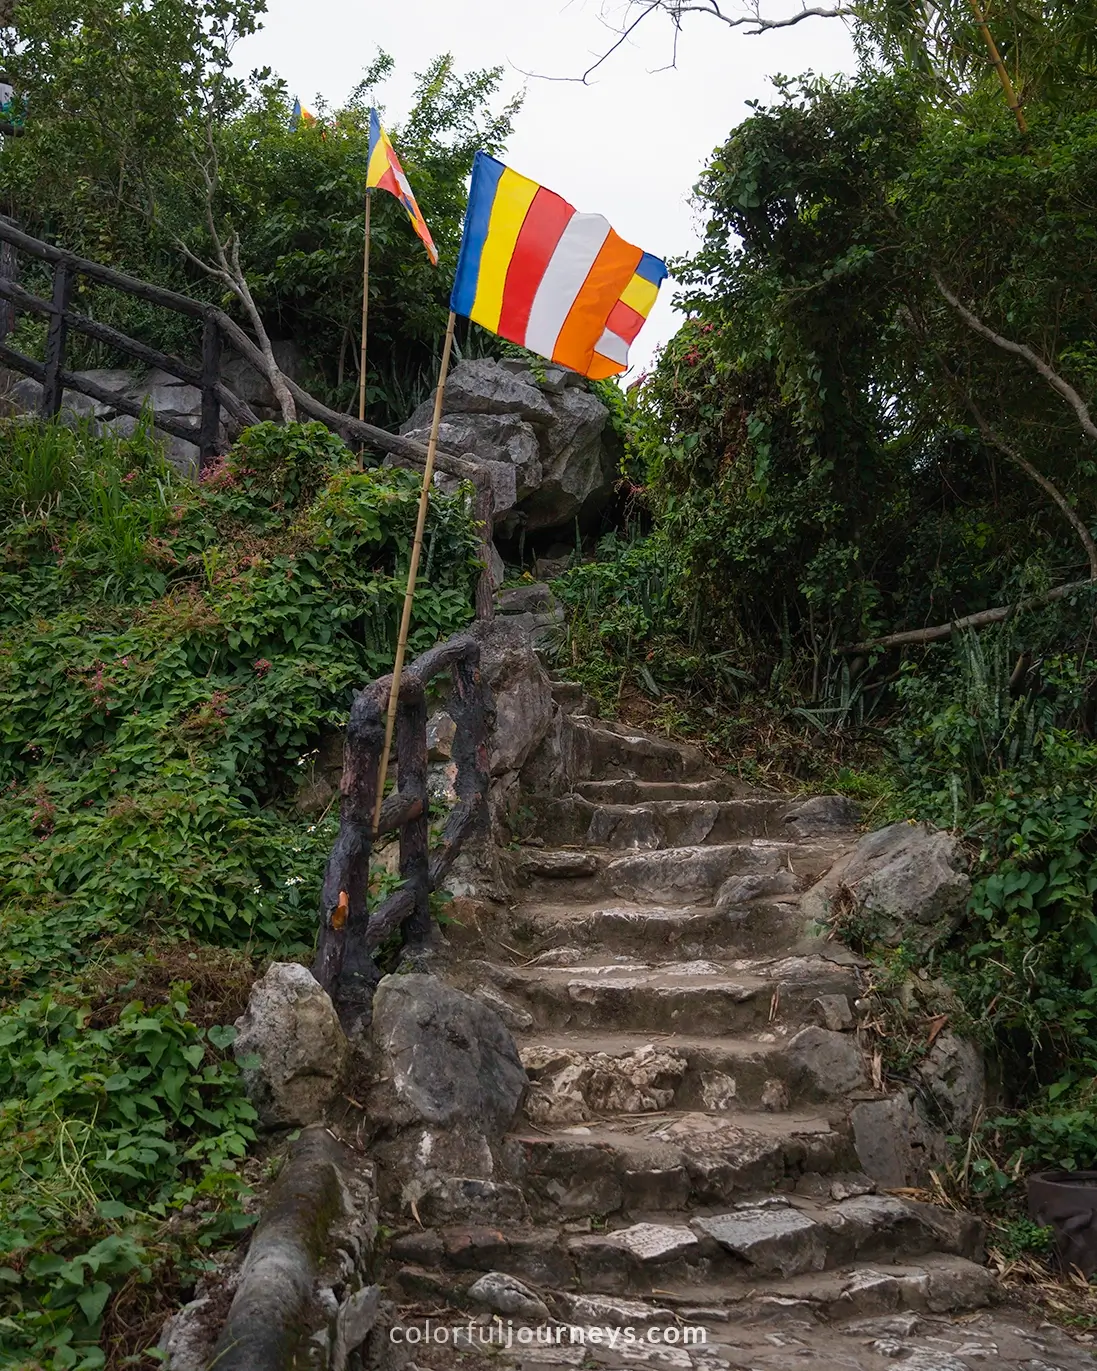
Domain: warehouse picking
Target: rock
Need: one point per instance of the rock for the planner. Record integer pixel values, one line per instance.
(252, 387)
(571, 1087)
(954, 1075)
(354, 1321)
(613, 1312)
(891, 1325)
(534, 598)
(291, 1026)
(558, 865)
(483, 387)
(775, 1097)
(718, 1091)
(825, 1064)
(517, 1020)
(905, 884)
(521, 690)
(834, 1012)
(504, 1294)
(778, 1240)
(896, 1144)
(490, 437)
(313, 797)
(578, 469)
(848, 1187)
(441, 731)
(737, 890)
(166, 394)
(449, 1060)
(821, 814)
(650, 1242)
(457, 1199)
(187, 1338)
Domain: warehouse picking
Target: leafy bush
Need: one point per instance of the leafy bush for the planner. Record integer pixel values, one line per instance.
(171, 659)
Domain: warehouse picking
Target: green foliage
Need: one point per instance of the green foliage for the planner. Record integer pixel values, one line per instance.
(172, 658)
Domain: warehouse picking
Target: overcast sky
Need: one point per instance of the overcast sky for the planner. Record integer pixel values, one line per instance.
(629, 146)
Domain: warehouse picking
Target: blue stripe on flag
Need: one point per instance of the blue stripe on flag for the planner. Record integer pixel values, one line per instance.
(374, 133)
(486, 172)
(652, 269)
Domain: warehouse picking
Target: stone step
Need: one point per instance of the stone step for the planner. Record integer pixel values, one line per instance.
(558, 932)
(639, 1165)
(599, 750)
(700, 997)
(678, 875)
(766, 1244)
(630, 792)
(660, 823)
(577, 1078)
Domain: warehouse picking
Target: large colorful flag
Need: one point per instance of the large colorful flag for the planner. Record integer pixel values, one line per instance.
(538, 273)
(384, 170)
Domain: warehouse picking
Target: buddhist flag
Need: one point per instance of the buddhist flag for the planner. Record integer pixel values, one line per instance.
(384, 170)
(541, 275)
(300, 115)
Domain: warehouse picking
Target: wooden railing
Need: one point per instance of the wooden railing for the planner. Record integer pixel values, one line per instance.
(350, 934)
(218, 330)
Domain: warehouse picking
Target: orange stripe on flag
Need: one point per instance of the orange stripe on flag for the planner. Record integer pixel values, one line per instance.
(586, 321)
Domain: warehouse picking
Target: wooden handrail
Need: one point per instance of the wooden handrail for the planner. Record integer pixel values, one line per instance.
(350, 934)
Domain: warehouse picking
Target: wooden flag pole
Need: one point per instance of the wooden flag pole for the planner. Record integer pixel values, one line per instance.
(413, 567)
(365, 314)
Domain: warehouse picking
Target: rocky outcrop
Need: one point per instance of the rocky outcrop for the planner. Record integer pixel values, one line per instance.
(291, 1026)
(905, 884)
(447, 1083)
(544, 424)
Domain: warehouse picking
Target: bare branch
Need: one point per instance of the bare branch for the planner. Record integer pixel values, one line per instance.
(1052, 377)
(985, 617)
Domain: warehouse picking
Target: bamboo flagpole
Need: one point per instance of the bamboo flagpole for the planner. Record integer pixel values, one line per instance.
(365, 314)
(413, 567)
(999, 66)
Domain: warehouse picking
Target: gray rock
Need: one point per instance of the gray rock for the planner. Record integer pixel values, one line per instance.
(738, 890)
(353, 1323)
(906, 884)
(534, 598)
(504, 1294)
(521, 690)
(166, 394)
(187, 1338)
(578, 470)
(457, 1199)
(896, 1145)
(291, 1026)
(777, 1240)
(954, 1074)
(491, 437)
(655, 1242)
(834, 1012)
(821, 814)
(441, 731)
(483, 387)
(775, 1098)
(826, 1064)
(517, 1020)
(449, 1060)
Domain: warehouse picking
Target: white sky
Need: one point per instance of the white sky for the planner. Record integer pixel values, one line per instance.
(629, 146)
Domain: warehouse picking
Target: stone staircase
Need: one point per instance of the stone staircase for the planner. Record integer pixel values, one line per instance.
(687, 1143)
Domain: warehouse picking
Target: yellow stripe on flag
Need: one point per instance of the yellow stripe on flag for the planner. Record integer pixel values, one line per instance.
(640, 295)
(513, 197)
(378, 163)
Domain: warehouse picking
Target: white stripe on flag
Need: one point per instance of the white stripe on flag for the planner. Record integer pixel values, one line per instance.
(579, 245)
(613, 346)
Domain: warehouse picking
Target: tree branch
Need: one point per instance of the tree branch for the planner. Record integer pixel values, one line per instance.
(1052, 377)
(980, 620)
(1072, 517)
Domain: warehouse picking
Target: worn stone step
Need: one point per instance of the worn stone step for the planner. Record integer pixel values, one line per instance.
(631, 792)
(597, 750)
(699, 872)
(577, 1078)
(648, 1164)
(689, 931)
(661, 823)
(769, 1243)
(686, 997)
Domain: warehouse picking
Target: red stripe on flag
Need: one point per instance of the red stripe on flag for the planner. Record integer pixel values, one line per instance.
(625, 321)
(545, 221)
(389, 182)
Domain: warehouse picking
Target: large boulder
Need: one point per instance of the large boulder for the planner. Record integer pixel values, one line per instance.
(448, 1082)
(547, 427)
(896, 1144)
(291, 1027)
(954, 1075)
(905, 884)
(520, 688)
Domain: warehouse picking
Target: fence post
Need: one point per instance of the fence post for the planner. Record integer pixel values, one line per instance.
(211, 407)
(411, 752)
(9, 271)
(56, 338)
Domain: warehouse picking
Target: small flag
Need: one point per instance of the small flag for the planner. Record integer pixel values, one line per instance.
(541, 275)
(384, 171)
(300, 115)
